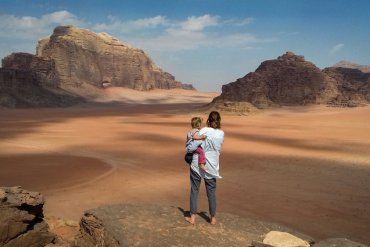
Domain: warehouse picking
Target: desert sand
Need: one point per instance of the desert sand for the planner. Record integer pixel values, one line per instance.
(307, 168)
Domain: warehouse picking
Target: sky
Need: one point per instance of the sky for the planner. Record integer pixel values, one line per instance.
(208, 43)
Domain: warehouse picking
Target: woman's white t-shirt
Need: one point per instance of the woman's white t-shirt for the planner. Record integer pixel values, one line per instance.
(212, 148)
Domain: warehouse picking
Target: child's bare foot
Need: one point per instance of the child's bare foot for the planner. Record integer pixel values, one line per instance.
(203, 167)
(191, 219)
(213, 221)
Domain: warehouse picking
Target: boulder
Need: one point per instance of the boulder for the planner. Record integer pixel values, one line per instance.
(338, 242)
(21, 219)
(284, 239)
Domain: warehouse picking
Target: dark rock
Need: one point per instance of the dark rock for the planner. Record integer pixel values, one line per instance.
(231, 107)
(21, 219)
(338, 242)
(27, 88)
(158, 225)
(188, 86)
(353, 86)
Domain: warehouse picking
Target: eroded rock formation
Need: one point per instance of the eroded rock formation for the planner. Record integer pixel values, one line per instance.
(21, 219)
(82, 56)
(75, 63)
(291, 80)
(353, 84)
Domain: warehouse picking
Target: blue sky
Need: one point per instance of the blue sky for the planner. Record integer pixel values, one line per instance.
(208, 43)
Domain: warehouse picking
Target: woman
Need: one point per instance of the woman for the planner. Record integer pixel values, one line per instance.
(212, 148)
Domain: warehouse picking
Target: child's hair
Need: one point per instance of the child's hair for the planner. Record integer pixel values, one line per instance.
(196, 122)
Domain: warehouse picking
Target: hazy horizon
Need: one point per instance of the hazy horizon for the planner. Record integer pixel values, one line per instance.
(206, 43)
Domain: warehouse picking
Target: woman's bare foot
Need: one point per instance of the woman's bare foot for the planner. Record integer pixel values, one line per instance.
(203, 167)
(213, 221)
(191, 219)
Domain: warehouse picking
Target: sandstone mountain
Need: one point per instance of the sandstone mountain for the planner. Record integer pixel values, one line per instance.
(82, 56)
(291, 80)
(350, 65)
(75, 63)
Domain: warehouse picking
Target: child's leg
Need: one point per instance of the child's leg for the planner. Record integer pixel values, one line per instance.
(201, 158)
(201, 155)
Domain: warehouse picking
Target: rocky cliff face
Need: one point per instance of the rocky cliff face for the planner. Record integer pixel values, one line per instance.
(353, 85)
(291, 80)
(82, 56)
(27, 88)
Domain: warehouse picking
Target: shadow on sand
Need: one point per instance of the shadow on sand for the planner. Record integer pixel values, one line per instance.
(203, 215)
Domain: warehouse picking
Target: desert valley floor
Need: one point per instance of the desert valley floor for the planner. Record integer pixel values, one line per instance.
(304, 167)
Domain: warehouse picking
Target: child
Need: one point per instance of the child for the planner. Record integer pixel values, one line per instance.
(192, 135)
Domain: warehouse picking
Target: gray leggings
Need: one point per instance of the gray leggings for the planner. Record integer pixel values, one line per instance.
(195, 180)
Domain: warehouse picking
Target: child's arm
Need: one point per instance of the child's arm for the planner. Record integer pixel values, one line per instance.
(196, 136)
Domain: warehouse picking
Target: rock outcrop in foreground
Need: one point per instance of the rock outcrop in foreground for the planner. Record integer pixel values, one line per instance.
(75, 63)
(291, 80)
(160, 225)
(21, 219)
(22, 225)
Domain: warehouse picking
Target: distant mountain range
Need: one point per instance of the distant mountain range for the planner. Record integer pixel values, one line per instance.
(74, 63)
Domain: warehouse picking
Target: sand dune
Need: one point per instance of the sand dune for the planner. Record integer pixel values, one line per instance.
(304, 167)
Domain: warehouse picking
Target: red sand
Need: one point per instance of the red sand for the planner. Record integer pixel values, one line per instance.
(305, 167)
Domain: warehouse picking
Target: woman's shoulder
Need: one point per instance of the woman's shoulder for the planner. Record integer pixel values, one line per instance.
(220, 132)
(212, 130)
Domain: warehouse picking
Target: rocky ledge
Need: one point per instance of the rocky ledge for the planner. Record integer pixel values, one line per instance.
(163, 225)
(22, 225)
